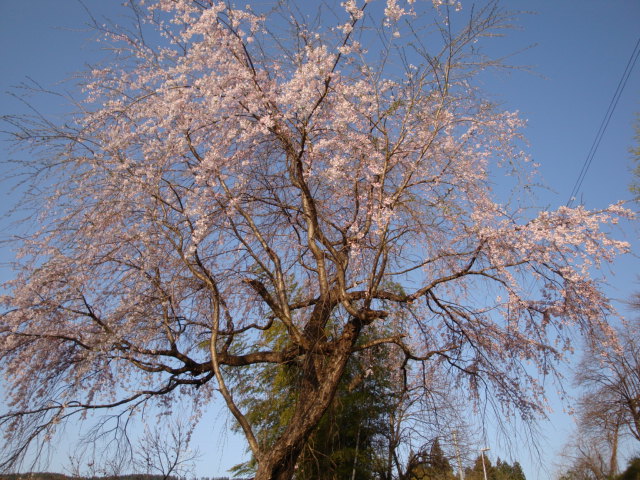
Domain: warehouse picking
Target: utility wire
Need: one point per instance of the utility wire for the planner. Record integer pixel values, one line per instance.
(603, 126)
(605, 122)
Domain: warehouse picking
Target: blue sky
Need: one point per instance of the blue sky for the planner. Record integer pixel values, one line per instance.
(576, 51)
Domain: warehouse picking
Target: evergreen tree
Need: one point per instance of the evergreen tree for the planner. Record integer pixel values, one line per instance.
(435, 467)
(348, 436)
(505, 471)
(439, 462)
(632, 472)
(477, 471)
(518, 473)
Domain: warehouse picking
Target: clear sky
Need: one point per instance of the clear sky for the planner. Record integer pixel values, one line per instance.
(576, 51)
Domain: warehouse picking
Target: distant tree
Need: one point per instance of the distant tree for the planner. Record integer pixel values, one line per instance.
(570, 475)
(610, 376)
(505, 471)
(434, 466)
(632, 472)
(591, 453)
(502, 470)
(609, 407)
(517, 471)
(164, 450)
(476, 472)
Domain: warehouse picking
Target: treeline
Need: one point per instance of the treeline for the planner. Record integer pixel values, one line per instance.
(135, 476)
(582, 472)
(500, 471)
(436, 466)
(61, 476)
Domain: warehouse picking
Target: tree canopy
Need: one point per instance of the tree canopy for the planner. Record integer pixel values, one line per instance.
(328, 176)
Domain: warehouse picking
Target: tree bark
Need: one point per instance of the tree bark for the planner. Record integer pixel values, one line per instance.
(322, 374)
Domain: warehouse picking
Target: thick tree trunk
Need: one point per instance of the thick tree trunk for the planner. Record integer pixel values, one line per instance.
(322, 375)
(280, 462)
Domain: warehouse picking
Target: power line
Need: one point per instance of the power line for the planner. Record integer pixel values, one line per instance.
(605, 122)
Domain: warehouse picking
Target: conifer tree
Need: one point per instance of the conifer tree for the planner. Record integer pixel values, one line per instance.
(349, 437)
(435, 465)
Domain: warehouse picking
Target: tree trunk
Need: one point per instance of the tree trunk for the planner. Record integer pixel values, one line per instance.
(613, 460)
(322, 373)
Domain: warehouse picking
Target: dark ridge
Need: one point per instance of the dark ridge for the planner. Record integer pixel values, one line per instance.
(134, 476)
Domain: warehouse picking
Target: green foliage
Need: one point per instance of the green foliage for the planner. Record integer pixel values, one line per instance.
(505, 471)
(133, 476)
(349, 434)
(436, 466)
(501, 471)
(476, 472)
(632, 472)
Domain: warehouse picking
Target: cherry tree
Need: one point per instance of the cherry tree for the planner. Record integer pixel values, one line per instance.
(265, 169)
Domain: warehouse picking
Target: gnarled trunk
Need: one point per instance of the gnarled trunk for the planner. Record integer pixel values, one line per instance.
(321, 376)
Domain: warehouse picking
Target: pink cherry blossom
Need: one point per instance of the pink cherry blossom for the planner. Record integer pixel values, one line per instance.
(231, 181)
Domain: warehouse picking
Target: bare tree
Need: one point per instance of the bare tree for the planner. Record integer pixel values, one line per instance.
(609, 407)
(420, 416)
(610, 376)
(262, 170)
(95, 460)
(164, 450)
(592, 454)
